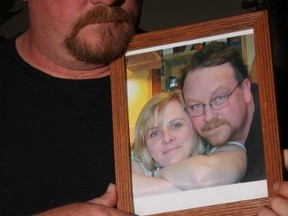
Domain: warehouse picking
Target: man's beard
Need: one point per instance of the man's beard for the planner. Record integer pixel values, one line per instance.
(218, 137)
(109, 47)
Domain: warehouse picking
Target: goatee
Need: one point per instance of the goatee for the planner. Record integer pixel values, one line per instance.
(109, 47)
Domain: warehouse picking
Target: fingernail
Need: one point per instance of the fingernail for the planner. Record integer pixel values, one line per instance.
(276, 186)
(259, 208)
(110, 187)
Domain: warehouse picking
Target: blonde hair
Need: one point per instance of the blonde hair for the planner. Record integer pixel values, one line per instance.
(156, 105)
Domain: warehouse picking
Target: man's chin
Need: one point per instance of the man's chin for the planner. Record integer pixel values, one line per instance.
(216, 139)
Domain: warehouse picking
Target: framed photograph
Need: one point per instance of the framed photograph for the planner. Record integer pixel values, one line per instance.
(152, 64)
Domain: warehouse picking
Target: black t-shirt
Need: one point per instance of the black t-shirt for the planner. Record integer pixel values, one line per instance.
(254, 144)
(56, 139)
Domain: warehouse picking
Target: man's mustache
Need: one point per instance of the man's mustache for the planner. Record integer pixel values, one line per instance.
(213, 124)
(102, 14)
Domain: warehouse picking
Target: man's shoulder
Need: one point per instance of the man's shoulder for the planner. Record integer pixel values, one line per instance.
(254, 143)
(7, 43)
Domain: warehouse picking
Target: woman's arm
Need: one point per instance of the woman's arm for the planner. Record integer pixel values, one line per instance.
(226, 165)
(147, 185)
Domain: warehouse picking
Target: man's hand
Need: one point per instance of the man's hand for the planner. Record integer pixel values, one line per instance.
(279, 202)
(100, 206)
(108, 199)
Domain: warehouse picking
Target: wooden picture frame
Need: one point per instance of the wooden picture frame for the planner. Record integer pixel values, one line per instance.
(258, 23)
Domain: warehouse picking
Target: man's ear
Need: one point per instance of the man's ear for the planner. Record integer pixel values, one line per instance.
(246, 88)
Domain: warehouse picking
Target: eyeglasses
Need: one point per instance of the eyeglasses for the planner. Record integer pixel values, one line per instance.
(215, 103)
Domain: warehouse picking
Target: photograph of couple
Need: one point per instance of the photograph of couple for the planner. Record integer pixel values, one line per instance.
(200, 133)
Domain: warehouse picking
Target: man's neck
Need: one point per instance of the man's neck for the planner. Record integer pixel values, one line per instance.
(61, 66)
(246, 129)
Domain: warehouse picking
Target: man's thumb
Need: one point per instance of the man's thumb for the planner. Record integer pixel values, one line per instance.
(109, 198)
